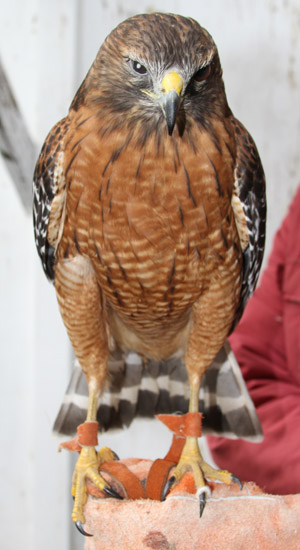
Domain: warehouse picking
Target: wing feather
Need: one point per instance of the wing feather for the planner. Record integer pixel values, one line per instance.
(49, 194)
(249, 206)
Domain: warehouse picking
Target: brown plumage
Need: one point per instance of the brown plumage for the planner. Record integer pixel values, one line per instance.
(150, 207)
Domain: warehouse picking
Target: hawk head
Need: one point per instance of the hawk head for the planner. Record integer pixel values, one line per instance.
(155, 71)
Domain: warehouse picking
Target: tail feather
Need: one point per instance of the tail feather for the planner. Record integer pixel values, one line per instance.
(135, 388)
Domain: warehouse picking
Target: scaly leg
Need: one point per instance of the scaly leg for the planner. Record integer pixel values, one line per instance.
(191, 460)
(87, 467)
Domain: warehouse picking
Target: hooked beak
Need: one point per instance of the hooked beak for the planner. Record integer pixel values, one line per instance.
(171, 88)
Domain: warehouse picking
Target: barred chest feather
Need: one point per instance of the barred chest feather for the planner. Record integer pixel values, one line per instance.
(156, 228)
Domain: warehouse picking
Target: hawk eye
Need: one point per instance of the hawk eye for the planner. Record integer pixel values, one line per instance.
(202, 73)
(138, 67)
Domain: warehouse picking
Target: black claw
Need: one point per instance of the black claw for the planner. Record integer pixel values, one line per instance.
(167, 487)
(110, 492)
(81, 530)
(235, 479)
(202, 500)
(116, 457)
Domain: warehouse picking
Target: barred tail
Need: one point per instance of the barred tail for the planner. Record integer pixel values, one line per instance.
(135, 388)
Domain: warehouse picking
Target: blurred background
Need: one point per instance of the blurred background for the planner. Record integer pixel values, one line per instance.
(46, 48)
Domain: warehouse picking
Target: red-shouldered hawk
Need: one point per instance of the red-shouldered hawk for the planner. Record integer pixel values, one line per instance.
(149, 214)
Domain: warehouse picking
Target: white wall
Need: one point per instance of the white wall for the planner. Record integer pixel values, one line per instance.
(46, 47)
(37, 50)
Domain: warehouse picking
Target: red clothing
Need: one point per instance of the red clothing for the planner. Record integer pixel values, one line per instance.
(267, 346)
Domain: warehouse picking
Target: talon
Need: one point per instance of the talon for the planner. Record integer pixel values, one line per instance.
(168, 486)
(110, 492)
(116, 457)
(203, 493)
(81, 530)
(202, 501)
(235, 479)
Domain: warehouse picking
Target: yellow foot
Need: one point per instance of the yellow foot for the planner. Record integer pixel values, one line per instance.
(191, 461)
(87, 467)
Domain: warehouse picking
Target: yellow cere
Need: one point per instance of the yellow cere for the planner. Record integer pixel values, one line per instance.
(172, 81)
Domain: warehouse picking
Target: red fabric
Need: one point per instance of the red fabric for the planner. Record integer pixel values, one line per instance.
(267, 347)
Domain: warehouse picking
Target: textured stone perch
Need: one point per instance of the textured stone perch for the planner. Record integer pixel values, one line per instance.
(231, 519)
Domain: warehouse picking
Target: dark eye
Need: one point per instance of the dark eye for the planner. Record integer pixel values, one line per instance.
(138, 67)
(202, 73)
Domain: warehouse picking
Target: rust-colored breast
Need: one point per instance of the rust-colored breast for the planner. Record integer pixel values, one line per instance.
(156, 222)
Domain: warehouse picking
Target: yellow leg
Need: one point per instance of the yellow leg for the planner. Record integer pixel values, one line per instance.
(191, 461)
(87, 466)
(92, 406)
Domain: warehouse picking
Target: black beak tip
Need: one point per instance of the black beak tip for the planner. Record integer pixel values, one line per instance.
(170, 105)
(170, 129)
